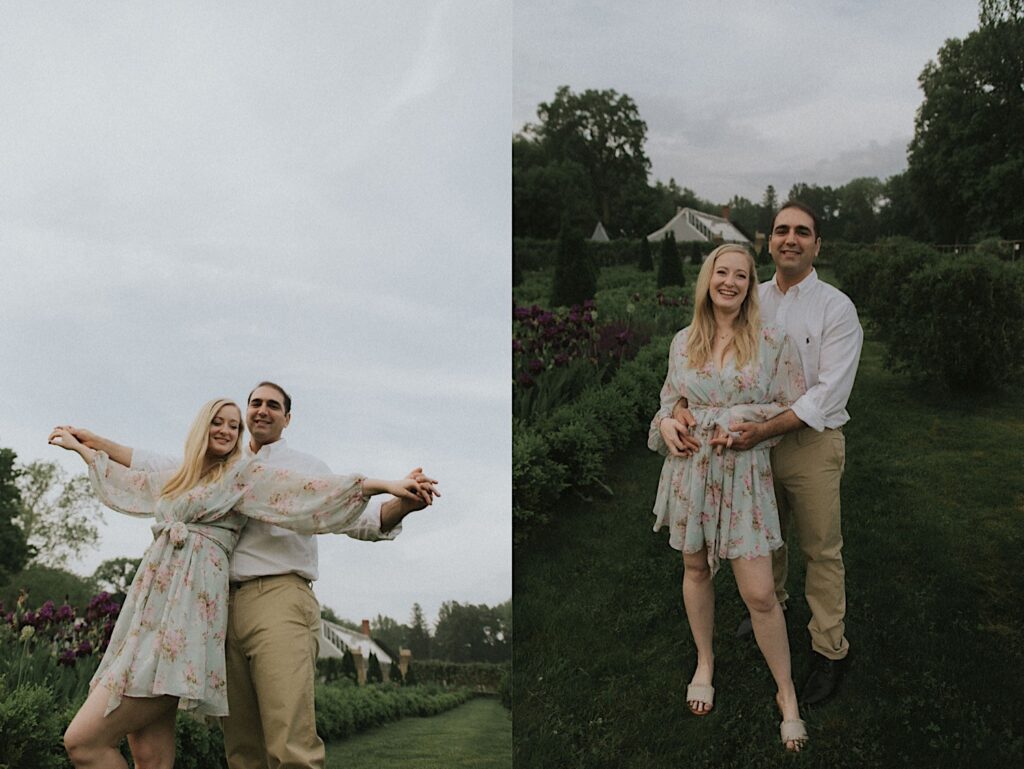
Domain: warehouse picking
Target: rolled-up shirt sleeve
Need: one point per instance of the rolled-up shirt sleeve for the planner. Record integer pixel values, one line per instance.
(837, 367)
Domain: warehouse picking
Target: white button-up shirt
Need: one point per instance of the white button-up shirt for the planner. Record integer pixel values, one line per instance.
(823, 322)
(264, 550)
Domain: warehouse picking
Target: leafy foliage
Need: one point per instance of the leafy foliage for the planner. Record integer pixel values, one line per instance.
(58, 513)
(14, 550)
(966, 160)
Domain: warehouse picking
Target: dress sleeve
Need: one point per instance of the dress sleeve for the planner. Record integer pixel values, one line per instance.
(671, 392)
(308, 504)
(133, 492)
(785, 383)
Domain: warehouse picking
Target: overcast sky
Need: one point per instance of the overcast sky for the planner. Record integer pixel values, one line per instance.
(198, 196)
(740, 95)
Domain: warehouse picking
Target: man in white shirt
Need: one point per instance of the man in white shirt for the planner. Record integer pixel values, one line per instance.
(808, 463)
(273, 615)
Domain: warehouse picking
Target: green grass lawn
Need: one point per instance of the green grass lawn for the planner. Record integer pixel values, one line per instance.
(933, 505)
(477, 735)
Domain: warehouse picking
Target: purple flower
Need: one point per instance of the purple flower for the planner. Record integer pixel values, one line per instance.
(535, 366)
(520, 313)
(84, 649)
(67, 657)
(536, 311)
(589, 304)
(65, 613)
(561, 360)
(517, 346)
(46, 612)
(524, 380)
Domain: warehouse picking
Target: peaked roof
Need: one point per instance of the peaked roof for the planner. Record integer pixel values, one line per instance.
(600, 234)
(690, 224)
(334, 639)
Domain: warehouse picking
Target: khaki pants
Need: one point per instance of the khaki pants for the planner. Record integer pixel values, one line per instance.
(808, 467)
(272, 645)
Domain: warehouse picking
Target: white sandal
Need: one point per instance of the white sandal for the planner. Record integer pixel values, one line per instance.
(703, 693)
(794, 730)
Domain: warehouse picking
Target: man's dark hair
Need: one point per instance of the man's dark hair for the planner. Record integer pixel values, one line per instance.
(800, 206)
(287, 398)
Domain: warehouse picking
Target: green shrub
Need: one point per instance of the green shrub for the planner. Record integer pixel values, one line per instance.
(670, 268)
(374, 674)
(575, 272)
(505, 688)
(478, 676)
(645, 263)
(199, 744)
(574, 442)
(31, 728)
(962, 320)
(343, 711)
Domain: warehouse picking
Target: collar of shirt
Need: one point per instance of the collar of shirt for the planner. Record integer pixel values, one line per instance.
(803, 286)
(267, 449)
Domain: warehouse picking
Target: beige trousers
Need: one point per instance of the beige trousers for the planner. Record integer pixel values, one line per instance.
(272, 644)
(808, 467)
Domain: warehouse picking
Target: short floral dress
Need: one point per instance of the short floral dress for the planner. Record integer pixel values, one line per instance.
(727, 502)
(169, 637)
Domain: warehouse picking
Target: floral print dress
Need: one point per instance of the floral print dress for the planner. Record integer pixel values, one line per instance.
(727, 502)
(169, 637)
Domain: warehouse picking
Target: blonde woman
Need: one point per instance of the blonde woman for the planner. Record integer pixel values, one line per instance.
(719, 503)
(167, 648)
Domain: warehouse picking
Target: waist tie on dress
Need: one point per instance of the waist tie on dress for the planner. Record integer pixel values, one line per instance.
(178, 531)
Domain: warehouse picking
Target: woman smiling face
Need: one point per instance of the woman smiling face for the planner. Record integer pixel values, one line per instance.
(730, 281)
(224, 430)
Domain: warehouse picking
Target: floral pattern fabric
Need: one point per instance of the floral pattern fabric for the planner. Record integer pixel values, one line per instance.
(726, 503)
(169, 637)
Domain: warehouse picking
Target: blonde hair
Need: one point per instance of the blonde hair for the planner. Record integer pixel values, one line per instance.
(747, 324)
(190, 474)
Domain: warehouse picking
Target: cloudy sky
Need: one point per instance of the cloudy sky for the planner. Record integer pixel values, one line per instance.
(741, 94)
(198, 196)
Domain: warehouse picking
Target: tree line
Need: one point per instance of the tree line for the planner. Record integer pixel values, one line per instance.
(584, 160)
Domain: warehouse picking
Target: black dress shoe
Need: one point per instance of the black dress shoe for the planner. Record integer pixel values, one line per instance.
(823, 679)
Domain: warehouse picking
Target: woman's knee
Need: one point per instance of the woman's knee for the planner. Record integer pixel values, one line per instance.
(696, 571)
(760, 601)
(80, 745)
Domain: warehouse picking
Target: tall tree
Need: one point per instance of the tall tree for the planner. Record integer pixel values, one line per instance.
(419, 634)
(14, 550)
(472, 633)
(58, 513)
(388, 630)
(603, 132)
(966, 160)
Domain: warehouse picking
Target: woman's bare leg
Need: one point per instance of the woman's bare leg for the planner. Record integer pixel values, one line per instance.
(92, 739)
(699, 600)
(757, 588)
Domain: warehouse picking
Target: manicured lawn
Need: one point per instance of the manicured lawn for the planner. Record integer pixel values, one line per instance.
(477, 735)
(934, 527)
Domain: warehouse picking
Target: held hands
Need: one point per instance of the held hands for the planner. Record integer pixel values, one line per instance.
(413, 492)
(677, 431)
(64, 437)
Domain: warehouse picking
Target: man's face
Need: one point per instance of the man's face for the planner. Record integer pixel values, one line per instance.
(793, 245)
(265, 415)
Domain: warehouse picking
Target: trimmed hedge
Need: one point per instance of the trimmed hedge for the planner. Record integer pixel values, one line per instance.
(479, 676)
(958, 319)
(568, 448)
(345, 710)
(32, 728)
